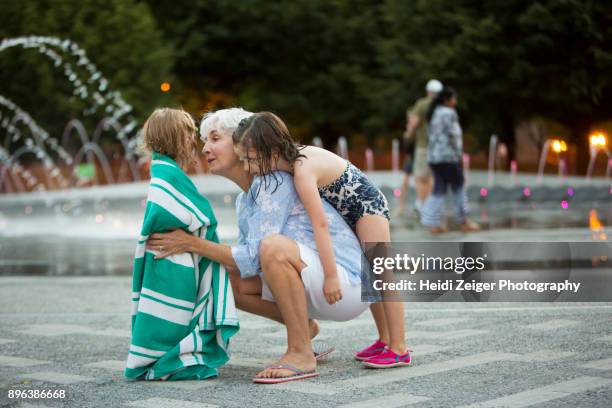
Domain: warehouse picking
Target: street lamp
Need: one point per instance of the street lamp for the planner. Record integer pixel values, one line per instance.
(559, 146)
(598, 140)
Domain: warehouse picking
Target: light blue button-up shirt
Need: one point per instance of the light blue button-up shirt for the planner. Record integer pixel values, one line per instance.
(277, 209)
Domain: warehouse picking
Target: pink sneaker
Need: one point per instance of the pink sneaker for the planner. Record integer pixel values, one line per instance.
(388, 359)
(376, 348)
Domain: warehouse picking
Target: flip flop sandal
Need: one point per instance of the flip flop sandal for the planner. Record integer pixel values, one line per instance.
(321, 350)
(298, 375)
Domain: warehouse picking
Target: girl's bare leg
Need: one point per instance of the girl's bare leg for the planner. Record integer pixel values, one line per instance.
(375, 228)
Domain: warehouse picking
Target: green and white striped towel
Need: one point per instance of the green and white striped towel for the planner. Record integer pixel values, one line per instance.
(183, 311)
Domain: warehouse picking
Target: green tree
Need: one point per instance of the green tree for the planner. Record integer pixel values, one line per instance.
(354, 66)
(308, 61)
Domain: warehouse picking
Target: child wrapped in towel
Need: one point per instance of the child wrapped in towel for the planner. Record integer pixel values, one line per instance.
(183, 311)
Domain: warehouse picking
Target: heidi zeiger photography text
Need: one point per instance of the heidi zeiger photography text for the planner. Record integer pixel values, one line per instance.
(485, 271)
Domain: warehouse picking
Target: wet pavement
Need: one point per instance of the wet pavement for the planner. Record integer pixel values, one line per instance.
(65, 266)
(72, 334)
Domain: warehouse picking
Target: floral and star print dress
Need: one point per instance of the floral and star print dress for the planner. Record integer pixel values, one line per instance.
(354, 195)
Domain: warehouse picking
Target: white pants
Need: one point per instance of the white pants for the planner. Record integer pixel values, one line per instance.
(313, 278)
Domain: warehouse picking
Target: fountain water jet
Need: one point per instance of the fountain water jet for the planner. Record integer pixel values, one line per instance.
(492, 157)
(94, 87)
(343, 147)
(31, 181)
(562, 170)
(542, 162)
(89, 84)
(513, 171)
(593, 156)
(91, 149)
(369, 158)
(395, 155)
(106, 123)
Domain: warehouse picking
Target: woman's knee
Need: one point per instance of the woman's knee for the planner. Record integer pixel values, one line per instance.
(274, 248)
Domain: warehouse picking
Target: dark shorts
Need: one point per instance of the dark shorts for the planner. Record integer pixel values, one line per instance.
(447, 175)
(408, 165)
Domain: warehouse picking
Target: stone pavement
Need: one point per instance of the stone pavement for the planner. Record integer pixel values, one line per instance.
(72, 333)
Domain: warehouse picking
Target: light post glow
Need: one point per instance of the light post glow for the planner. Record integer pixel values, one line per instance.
(598, 140)
(559, 146)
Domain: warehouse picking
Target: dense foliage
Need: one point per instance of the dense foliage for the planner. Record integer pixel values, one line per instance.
(338, 67)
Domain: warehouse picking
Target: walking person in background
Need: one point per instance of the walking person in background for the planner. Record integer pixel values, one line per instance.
(408, 145)
(444, 155)
(416, 128)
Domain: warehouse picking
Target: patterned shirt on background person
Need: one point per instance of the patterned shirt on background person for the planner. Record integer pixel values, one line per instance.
(445, 137)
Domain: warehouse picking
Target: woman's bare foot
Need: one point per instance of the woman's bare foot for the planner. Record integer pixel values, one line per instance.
(469, 226)
(438, 230)
(303, 361)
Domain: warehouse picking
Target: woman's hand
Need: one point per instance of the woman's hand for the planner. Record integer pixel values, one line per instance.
(331, 289)
(170, 243)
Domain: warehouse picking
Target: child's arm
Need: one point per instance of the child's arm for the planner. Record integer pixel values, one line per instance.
(306, 187)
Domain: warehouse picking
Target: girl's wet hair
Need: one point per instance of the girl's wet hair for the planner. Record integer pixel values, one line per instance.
(268, 135)
(166, 131)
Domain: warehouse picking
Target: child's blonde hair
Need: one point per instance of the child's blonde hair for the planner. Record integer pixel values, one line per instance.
(167, 131)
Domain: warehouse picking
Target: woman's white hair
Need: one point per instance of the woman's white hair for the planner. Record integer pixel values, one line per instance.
(223, 120)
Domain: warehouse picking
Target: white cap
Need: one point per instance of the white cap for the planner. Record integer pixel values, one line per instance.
(433, 85)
